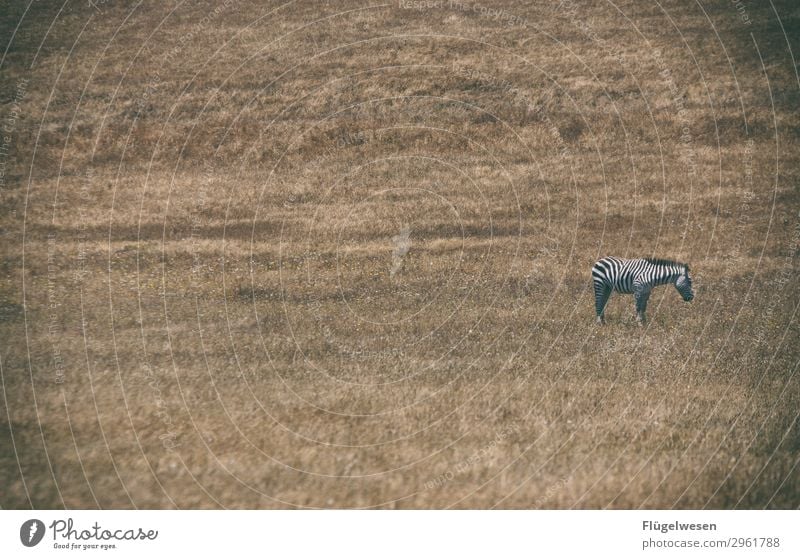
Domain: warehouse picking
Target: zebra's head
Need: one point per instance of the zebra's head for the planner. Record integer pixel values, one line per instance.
(684, 285)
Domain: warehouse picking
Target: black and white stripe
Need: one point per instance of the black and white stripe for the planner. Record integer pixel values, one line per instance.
(638, 276)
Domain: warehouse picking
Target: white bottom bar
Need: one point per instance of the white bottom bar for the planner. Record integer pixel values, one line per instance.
(403, 534)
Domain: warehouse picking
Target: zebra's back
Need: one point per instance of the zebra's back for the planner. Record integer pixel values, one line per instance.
(617, 273)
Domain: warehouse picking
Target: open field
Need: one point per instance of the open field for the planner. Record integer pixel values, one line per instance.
(318, 254)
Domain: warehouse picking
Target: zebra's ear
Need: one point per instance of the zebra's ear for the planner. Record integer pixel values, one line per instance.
(687, 267)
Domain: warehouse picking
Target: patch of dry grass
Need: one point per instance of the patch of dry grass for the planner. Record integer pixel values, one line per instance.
(199, 307)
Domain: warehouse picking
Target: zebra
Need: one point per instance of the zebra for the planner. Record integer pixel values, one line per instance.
(638, 276)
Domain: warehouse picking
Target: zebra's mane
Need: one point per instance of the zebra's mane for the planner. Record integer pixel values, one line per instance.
(665, 262)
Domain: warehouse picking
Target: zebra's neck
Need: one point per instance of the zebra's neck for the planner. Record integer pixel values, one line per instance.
(666, 274)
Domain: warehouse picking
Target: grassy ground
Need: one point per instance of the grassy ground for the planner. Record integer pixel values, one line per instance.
(337, 255)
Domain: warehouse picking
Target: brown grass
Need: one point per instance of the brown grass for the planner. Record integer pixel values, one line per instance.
(198, 212)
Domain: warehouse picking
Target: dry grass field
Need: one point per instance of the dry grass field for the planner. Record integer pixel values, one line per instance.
(337, 254)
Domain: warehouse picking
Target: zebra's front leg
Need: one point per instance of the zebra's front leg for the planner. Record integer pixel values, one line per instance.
(641, 294)
(600, 320)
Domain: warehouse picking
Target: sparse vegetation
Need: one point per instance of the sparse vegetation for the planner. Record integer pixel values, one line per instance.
(204, 303)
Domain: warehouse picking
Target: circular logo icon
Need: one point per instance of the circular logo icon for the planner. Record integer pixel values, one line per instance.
(31, 532)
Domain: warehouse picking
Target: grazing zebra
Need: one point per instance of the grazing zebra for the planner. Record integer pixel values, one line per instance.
(638, 276)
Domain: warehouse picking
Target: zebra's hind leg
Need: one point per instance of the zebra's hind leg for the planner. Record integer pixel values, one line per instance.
(641, 295)
(601, 294)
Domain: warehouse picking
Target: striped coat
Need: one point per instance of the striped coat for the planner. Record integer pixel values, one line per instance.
(637, 276)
